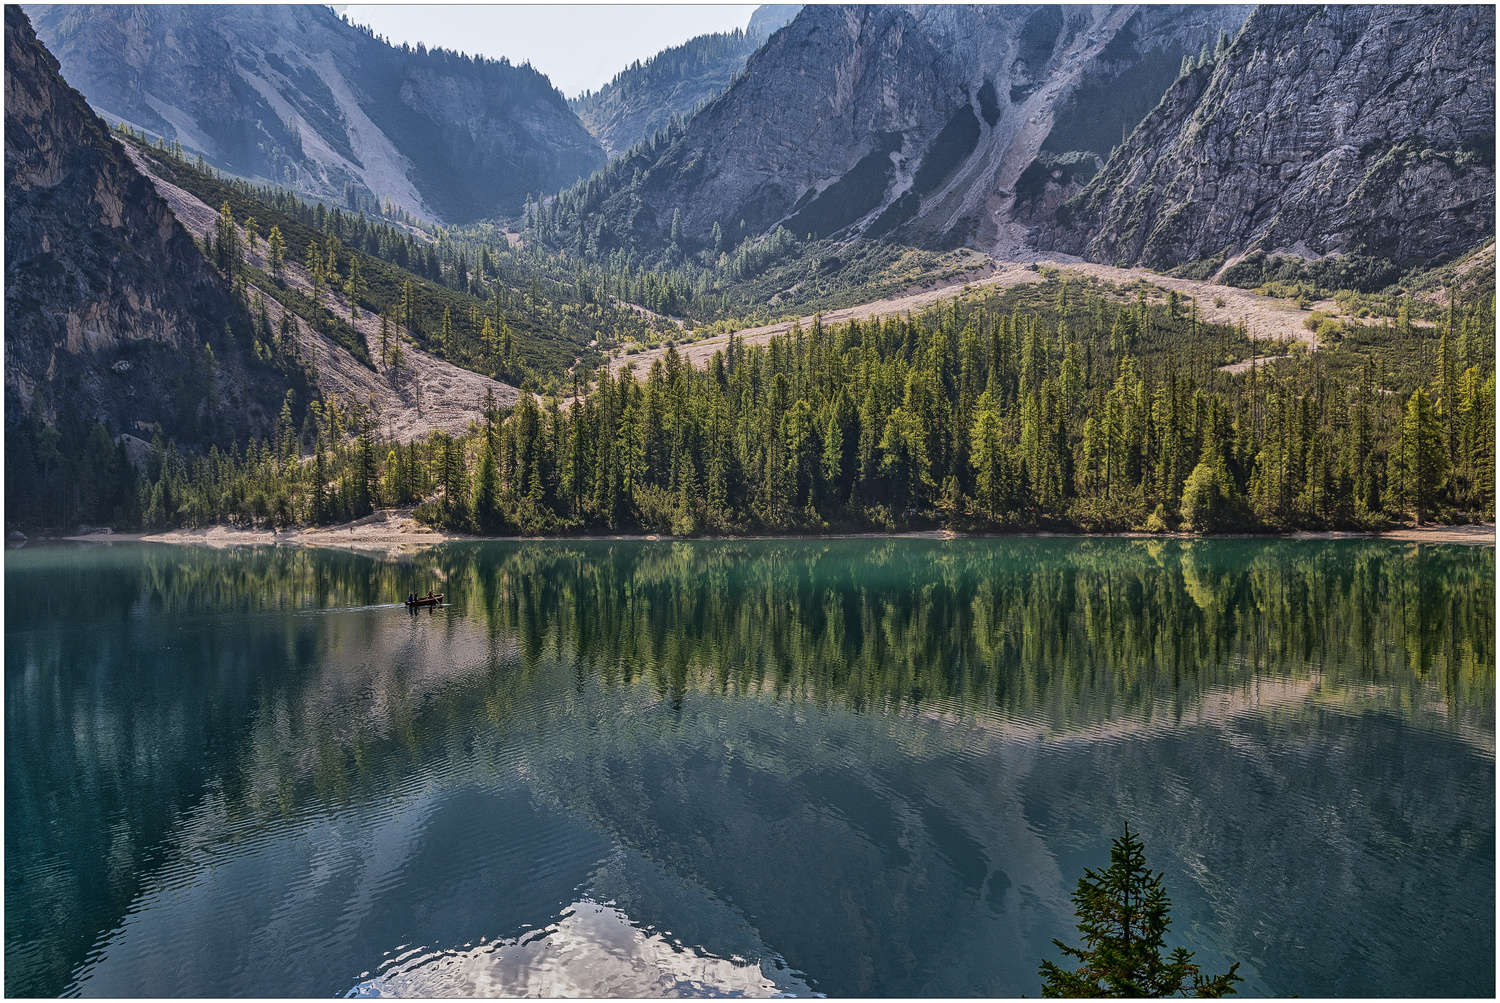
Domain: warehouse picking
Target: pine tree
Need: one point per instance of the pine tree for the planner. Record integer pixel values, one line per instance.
(331, 263)
(227, 242)
(988, 455)
(1445, 390)
(319, 502)
(487, 339)
(485, 496)
(833, 453)
(409, 307)
(354, 288)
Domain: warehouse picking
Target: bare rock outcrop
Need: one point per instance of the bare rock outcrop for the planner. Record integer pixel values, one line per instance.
(1322, 130)
(913, 121)
(110, 308)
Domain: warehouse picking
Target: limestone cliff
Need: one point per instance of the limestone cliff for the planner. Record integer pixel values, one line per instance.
(643, 97)
(108, 303)
(916, 121)
(1321, 130)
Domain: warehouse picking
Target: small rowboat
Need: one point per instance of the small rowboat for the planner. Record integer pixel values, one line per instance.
(426, 601)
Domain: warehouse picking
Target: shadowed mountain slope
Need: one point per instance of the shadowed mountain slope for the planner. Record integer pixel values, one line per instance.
(111, 313)
(643, 97)
(295, 95)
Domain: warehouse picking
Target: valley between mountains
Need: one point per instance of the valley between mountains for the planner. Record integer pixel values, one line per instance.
(1120, 268)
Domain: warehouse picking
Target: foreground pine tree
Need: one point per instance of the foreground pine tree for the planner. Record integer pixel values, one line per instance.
(1123, 917)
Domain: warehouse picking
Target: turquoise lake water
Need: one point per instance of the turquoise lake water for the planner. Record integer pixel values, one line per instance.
(847, 767)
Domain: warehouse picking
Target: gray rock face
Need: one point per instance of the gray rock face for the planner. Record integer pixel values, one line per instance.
(642, 98)
(295, 95)
(912, 120)
(771, 17)
(108, 302)
(1322, 130)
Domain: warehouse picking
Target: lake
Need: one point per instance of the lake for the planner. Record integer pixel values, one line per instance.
(847, 767)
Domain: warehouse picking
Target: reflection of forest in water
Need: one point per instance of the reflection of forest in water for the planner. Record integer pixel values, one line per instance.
(810, 673)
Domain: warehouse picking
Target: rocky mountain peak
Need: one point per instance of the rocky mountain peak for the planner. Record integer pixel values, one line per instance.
(908, 121)
(1326, 129)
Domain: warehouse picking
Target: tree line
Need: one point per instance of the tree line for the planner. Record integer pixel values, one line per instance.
(967, 417)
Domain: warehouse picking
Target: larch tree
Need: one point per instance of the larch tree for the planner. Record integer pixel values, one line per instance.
(275, 252)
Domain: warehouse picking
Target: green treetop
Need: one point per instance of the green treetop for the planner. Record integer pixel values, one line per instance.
(1123, 917)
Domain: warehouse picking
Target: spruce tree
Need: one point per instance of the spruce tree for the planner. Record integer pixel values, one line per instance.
(354, 288)
(1123, 916)
(1424, 458)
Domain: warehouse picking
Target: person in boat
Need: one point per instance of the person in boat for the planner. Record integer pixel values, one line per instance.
(429, 593)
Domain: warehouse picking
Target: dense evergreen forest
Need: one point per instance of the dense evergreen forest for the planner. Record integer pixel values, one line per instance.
(1051, 406)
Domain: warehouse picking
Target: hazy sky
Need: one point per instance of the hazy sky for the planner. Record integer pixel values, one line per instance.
(580, 47)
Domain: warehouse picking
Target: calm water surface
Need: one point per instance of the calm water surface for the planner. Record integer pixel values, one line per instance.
(872, 767)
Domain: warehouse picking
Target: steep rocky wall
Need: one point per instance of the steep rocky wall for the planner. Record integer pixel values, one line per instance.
(642, 98)
(108, 302)
(915, 122)
(1322, 130)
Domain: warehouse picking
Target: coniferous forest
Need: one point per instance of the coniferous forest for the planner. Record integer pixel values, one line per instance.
(1065, 404)
(1059, 406)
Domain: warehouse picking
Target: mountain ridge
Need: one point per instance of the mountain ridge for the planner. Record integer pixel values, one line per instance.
(1322, 130)
(877, 121)
(643, 97)
(298, 96)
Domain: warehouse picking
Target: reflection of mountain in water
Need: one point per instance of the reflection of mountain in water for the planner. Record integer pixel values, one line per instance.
(885, 764)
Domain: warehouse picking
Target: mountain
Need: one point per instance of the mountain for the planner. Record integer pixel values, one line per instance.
(298, 96)
(771, 17)
(643, 97)
(917, 121)
(111, 312)
(1321, 130)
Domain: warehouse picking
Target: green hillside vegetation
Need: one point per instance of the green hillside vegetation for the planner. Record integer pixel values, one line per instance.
(554, 300)
(727, 284)
(1043, 407)
(455, 287)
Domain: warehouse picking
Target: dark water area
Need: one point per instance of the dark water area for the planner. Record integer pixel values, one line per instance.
(848, 767)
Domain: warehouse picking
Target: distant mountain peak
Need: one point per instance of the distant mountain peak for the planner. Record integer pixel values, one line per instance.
(769, 17)
(300, 97)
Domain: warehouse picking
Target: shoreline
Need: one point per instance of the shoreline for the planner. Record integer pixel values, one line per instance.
(394, 530)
